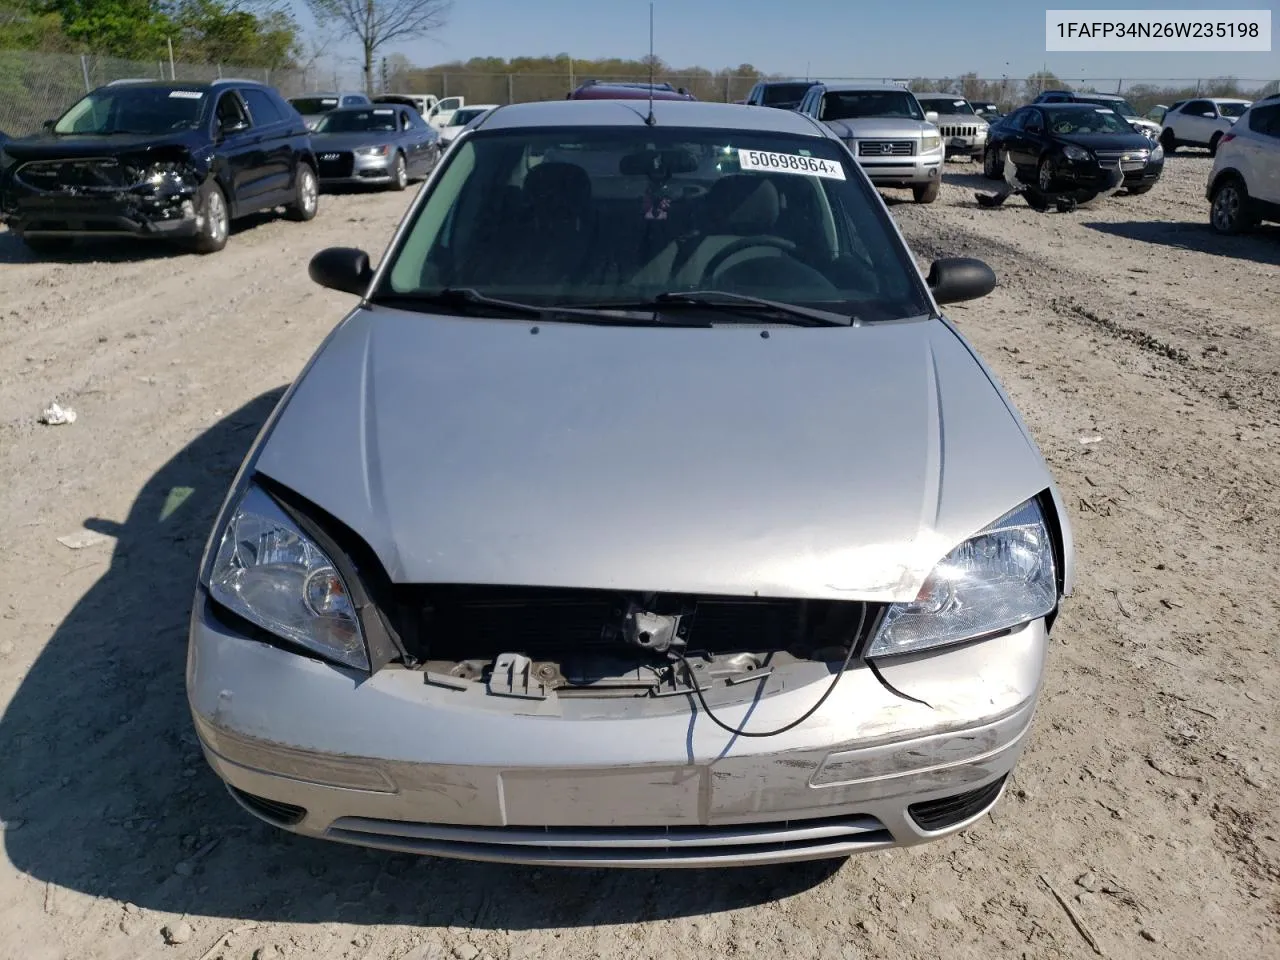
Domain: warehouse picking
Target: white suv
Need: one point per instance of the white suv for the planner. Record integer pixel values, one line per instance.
(1244, 186)
(1201, 122)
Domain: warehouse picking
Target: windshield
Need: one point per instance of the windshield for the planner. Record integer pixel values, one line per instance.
(1121, 107)
(139, 110)
(596, 216)
(776, 93)
(462, 117)
(870, 103)
(944, 105)
(310, 106)
(1097, 120)
(1232, 109)
(379, 119)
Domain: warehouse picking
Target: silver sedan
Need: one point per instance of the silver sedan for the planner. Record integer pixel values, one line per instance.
(375, 146)
(646, 511)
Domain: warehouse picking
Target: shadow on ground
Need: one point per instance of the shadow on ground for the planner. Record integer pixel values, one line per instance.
(1260, 245)
(113, 249)
(104, 790)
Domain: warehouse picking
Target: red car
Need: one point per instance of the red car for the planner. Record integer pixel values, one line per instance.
(597, 90)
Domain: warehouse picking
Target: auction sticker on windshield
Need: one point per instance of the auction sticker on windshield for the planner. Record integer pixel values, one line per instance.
(186, 94)
(790, 163)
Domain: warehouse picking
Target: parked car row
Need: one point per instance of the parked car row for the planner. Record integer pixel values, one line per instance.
(181, 161)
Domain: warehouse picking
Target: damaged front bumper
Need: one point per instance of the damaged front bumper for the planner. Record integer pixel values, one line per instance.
(162, 205)
(400, 760)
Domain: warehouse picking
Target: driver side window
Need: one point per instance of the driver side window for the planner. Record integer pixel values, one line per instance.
(231, 111)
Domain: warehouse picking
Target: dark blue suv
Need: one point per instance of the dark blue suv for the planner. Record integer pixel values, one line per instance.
(159, 159)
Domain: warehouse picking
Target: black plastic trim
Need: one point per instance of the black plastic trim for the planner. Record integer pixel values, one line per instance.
(934, 815)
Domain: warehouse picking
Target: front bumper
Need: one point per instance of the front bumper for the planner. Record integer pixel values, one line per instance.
(397, 762)
(1087, 173)
(352, 168)
(115, 214)
(904, 172)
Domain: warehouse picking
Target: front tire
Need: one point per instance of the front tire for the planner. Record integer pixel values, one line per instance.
(306, 199)
(1044, 175)
(993, 164)
(926, 192)
(1229, 211)
(215, 220)
(400, 174)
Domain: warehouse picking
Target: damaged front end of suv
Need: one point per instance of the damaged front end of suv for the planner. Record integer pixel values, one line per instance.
(149, 192)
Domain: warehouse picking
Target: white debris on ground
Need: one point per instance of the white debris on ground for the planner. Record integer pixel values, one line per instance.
(55, 415)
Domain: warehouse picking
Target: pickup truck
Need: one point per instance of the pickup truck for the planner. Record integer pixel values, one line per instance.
(436, 111)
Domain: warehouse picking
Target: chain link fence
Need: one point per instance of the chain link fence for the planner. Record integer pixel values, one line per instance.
(502, 88)
(35, 87)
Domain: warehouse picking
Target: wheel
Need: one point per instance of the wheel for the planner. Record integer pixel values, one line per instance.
(48, 246)
(1213, 144)
(399, 173)
(1044, 175)
(1229, 211)
(1139, 191)
(926, 192)
(306, 194)
(1168, 141)
(213, 222)
(993, 164)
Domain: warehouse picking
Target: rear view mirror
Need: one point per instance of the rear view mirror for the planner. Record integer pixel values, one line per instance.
(659, 164)
(954, 279)
(342, 268)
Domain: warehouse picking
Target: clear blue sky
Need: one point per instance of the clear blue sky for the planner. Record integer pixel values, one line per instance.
(829, 38)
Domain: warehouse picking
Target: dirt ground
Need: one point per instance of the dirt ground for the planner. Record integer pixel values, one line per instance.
(1142, 821)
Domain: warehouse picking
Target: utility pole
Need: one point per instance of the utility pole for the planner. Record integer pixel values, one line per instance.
(173, 75)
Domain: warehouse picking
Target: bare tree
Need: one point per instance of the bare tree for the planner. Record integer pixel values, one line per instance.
(376, 23)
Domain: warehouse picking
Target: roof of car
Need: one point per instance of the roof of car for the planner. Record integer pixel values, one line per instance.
(185, 84)
(321, 94)
(1067, 106)
(632, 113)
(862, 87)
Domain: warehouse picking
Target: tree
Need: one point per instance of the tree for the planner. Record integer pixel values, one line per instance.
(376, 23)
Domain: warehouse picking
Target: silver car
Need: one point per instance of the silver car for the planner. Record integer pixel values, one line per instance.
(896, 142)
(375, 145)
(964, 131)
(645, 511)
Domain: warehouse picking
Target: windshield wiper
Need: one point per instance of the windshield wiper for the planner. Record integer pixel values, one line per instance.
(462, 298)
(721, 300)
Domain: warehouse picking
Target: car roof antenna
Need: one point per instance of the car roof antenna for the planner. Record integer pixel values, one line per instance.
(650, 119)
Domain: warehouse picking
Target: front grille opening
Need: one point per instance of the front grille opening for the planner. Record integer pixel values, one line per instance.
(576, 637)
(948, 811)
(273, 811)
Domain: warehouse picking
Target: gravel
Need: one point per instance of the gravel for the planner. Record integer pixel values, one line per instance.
(1178, 502)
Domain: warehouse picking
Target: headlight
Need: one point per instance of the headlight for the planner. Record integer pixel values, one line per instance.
(272, 574)
(1157, 152)
(1072, 152)
(930, 141)
(1003, 577)
(372, 151)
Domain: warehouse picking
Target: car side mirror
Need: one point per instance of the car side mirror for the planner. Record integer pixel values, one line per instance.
(48, 125)
(342, 268)
(228, 127)
(931, 116)
(954, 279)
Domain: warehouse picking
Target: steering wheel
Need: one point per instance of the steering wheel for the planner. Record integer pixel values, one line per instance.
(737, 246)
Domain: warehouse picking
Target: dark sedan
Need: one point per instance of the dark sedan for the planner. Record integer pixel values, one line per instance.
(386, 145)
(1063, 145)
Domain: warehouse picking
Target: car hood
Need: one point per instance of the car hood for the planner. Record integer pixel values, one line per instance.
(46, 147)
(322, 142)
(818, 462)
(1108, 141)
(864, 127)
